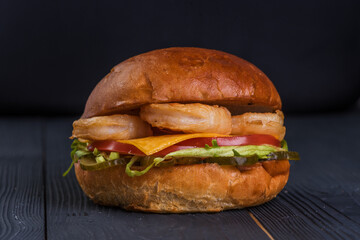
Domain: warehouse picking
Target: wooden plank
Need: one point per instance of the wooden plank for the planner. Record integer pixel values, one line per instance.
(322, 198)
(21, 179)
(72, 216)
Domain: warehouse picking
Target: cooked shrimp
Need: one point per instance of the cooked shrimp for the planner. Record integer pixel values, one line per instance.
(188, 118)
(114, 127)
(259, 123)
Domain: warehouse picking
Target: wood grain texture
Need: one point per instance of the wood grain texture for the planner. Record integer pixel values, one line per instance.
(321, 200)
(72, 216)
(21, 179)
(322, 197)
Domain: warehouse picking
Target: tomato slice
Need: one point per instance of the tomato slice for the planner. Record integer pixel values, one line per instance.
(124, 148)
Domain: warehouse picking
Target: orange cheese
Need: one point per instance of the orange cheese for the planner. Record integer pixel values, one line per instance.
(154, 144)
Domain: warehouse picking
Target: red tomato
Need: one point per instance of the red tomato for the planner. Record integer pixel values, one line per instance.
(256, 139)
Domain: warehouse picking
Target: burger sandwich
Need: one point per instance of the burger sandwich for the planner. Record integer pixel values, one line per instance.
(182, 130)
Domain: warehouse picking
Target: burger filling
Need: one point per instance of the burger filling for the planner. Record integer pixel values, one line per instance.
(208, 134)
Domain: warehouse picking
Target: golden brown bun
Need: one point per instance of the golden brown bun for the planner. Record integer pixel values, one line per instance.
(183, 75)
(186, 188)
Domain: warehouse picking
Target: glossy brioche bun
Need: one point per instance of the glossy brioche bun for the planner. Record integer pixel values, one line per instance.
(183, 75)
(186, 188)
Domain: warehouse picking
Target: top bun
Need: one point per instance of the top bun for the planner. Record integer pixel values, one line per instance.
(183, 75)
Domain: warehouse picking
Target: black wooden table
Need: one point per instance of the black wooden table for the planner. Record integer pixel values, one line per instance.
(320, 201)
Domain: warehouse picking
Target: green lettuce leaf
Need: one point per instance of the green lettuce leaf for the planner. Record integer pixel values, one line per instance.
(133, 173)
(227, 151)
(78, 150)
(284, 145)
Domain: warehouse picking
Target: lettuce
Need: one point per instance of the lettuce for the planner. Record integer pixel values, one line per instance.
(133, 173)
(284, 145)
(78, 150)
(227, 151)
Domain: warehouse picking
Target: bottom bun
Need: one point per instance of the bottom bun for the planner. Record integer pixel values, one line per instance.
(186, 188)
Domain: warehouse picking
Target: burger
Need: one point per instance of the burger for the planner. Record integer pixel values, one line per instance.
(182, 130)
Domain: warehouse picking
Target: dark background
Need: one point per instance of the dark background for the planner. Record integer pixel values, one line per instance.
(52, 53)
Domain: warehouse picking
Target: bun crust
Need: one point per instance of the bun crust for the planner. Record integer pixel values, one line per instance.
(186, 188)
(183, 75)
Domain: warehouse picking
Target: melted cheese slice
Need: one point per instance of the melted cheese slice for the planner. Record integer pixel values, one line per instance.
(154, 144)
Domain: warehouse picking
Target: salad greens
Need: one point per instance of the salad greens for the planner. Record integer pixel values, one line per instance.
(214, 154)
(79, 150)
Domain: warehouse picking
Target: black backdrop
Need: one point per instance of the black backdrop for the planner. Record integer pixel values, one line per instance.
(52, 53)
